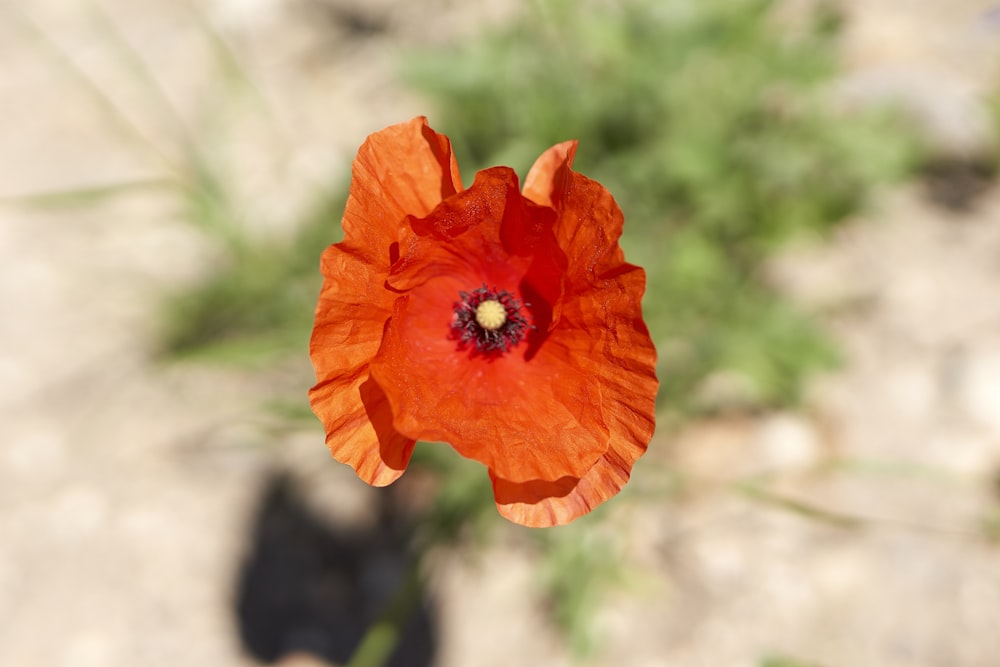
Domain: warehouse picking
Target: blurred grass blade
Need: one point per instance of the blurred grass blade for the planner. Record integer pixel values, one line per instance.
(231, 65)
(117, 119)
(758, 492)
(897, 469)
(208, 203)
(87, 195)
(112, 36)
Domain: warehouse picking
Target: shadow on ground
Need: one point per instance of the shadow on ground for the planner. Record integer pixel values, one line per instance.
(310, 587)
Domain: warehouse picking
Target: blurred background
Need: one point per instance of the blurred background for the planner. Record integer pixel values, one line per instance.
(811, 186)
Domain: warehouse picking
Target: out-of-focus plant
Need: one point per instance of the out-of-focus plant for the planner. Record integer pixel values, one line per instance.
(257, 305)
(711, 122)
(782, 661)
(580, 564)
(991, 525)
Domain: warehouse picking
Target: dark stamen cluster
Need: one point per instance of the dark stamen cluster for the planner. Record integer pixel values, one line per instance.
(467, 329)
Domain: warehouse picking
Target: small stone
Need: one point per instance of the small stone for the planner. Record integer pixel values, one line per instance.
(979, 388)
(787, 441)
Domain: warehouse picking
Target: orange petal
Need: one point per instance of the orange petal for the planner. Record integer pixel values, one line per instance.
(588, 220)
(350, 318)
(531, 413)
(405, 169)
(625, 372)
(602, 293)
(549, 173)
(526, 420)
(540, 504)
(463, 236)
(487, 235)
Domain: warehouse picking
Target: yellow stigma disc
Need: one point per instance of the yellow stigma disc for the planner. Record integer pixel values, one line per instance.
(491, 315)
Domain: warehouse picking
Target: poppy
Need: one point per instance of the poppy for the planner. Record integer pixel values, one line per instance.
(501, 320)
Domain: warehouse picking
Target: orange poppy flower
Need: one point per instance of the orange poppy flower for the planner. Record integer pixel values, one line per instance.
(504, 322)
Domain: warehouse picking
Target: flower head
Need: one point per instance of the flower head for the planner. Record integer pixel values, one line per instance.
(501, 320)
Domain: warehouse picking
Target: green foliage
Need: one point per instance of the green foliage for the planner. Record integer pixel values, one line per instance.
(579, 565)
(782, 661)
(709, 122)
(258, 306)
(463, 506)
(991, 525)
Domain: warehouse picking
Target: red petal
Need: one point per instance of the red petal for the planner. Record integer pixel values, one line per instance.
(549, 173)
(462, 236)
(350, 318)
(405, 169)
(528, 414)
(603, 296)
(540, 504)
(589, 222)
(624, 368)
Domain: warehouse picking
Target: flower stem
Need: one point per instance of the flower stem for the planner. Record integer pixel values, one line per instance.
(381, 639)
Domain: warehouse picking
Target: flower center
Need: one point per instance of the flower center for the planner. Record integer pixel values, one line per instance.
(491, 314)
(490, 320)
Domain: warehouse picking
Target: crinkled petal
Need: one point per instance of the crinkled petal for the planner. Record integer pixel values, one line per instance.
(487, 235)
(463, 235)
(405, 169)
(602, 294)
(549, 173)
(527, 420)
(350, 318)
(628, 384)
(588, 220)
(531, 413)
(540, 504)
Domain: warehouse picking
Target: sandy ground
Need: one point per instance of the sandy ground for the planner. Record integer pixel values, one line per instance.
(133, 492)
